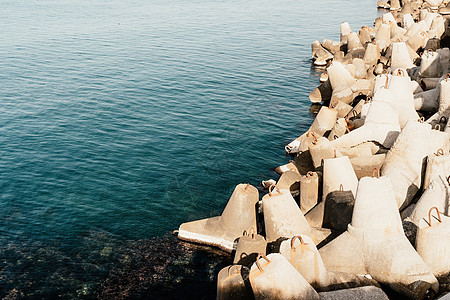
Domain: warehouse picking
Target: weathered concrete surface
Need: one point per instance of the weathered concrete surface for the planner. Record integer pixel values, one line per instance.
(366, 293)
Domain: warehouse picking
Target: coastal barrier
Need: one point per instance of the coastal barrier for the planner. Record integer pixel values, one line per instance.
(362, 210)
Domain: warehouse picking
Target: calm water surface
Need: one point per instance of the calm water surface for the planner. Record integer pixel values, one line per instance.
(122, 119)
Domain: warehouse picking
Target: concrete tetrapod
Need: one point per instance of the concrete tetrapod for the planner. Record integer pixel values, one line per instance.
(322, 148)
(343, 58)
(444, 96)
(437, 164)
(407, 8)
(345, 95)
(423, 12)
(319, 150)
(413, 30)
(290, 180)
(342, 109)
(436, 195)
(429, 83)
(365, 35)
(322, 124)
(388, 18)
(353, 41)
(372, 54)
(357, 52)
(331, 46)
(321, 93)
(324, 121)
(283, 217)
(309, 191)
(404, 161)
(399, 85)
(302, 253)
(323, 77)
(345, 31)
(249, 245)
(430, 16)
(361, 87)
(301, 164)
(315, 215)
(397, 32)
(381, 125)
(338, 209)
(400, 56)
(351, 68)
(433, 242)
(383, 36)
(381, 81)
(360, 70)
(362, 150)
(300, 144)
(221, 231)
(441, 101)
(433, 42)
(395, 5)
(364, 165)
(365, 292)
(445, 10)
(339, 129)
(273, 277)
(438, 26)
(417, 41)
(356, 110)
(407, 21)
(433, 4)
(430, 65)
(426, 19)
(320, 56)
(416, 88)
(231, 283)
(335, 211)
(444, 54)
(267, 183)
(340, 78)
(338, 172)
(374, 243)
(290, 166)
(383, 4)
(413, 54)
(427, 100)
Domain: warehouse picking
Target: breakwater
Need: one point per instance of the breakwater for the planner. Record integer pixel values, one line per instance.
(364, 202)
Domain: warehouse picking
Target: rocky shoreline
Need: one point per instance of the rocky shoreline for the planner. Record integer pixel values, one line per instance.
(362, 210)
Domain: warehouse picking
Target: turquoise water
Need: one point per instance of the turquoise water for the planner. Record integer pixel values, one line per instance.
(122, 119)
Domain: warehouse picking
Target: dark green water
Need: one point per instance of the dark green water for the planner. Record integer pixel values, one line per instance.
(122, 119)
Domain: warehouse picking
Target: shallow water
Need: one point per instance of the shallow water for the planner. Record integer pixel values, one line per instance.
(121, 120)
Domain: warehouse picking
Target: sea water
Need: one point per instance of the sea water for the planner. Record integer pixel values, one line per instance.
(122, 119)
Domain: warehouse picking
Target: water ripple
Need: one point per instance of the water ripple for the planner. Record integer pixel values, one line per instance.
(132, 117)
